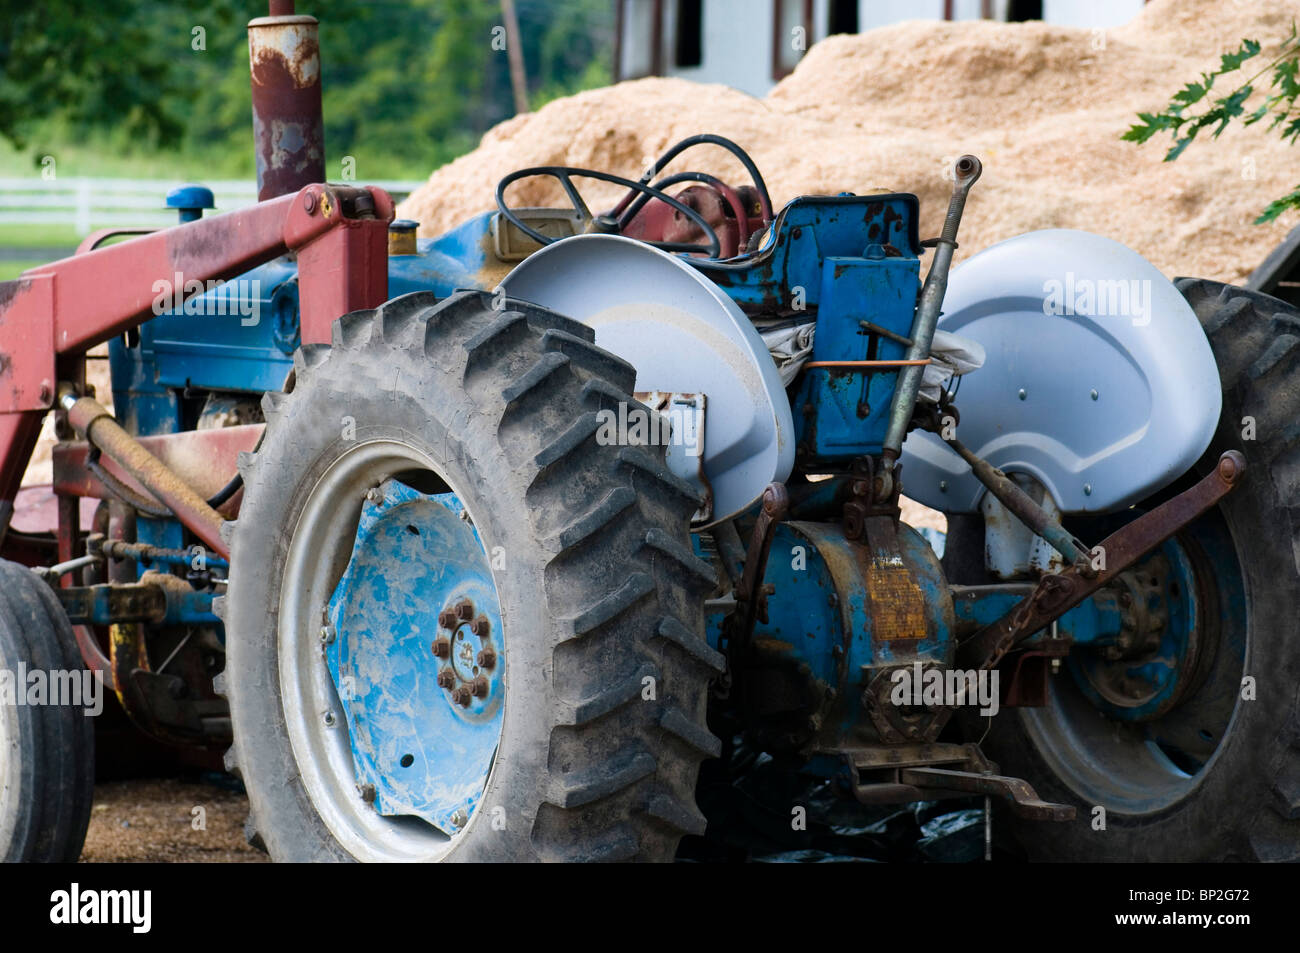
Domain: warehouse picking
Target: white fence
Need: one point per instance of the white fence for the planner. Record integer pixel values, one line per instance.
(86, 202)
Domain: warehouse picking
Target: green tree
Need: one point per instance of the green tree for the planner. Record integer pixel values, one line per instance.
(1193, 108)
(407, 85)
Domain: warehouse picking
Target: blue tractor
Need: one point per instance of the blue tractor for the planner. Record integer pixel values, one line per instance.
(594, 498)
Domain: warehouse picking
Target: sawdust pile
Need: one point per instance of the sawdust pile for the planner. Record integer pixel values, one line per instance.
(1043, 106)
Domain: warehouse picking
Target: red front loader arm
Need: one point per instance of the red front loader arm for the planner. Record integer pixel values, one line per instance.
(51, 315)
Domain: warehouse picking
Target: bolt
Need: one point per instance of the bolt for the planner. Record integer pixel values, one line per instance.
(327, 635)
(441, 647)
(465, 610)
(481, 626)
(329, 719)
(1056, 666)
(374, 496)
(1094, 395)
(1087, 489)
(479, 687)
(1022, 395)
(367, 792)
(943, 486)
(46, 392)
(309, 203)
(446, 678)
(487, 659)
(462, 695)
(459, 818)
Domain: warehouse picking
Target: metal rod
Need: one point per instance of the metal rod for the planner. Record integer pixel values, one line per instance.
(988, 829)
(100, 430)
(1058, 593)
(58, 570)
(885, 333)
(1022, 506)
(140, 552)
(965, 172)
(867, 363)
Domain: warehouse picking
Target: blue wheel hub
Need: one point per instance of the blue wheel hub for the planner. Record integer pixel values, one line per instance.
(413, 642)
(1151, 666)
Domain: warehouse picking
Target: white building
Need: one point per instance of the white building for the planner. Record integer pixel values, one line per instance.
(750, 44)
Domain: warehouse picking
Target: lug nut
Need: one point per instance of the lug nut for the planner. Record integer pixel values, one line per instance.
(441, 647)
(479, 687)
(461, 696)
(481, 626)
(374, 496)
(465, 610)
(446, 678)
(327, 635)
(448, 619)
(487, 659)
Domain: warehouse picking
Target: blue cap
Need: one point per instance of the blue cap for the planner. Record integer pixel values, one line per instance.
(190, 196)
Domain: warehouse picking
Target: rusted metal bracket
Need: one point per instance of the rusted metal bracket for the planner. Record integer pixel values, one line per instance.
(916, 772)
(1057, 594)
(871, 494)
(749, 595)
(1022, 798)
(163, 705)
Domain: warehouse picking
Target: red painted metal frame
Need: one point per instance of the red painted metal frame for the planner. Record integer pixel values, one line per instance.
(51, 315)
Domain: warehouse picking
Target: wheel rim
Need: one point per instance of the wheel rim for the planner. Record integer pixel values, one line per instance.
(386, 754)
(1148, 753)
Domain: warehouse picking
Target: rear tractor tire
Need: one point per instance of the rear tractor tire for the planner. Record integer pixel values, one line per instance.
(590, 601)
(1217, 778)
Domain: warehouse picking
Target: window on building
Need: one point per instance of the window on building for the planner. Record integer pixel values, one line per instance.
(791, 34)
(636, 38)
(842, 17)
(1021, 10)
(690, 33)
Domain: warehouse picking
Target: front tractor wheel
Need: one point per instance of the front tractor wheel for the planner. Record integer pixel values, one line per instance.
(460, 627)
(47, 739)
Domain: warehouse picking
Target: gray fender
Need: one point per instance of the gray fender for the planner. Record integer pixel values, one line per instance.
(683, 334)
(1099, 381)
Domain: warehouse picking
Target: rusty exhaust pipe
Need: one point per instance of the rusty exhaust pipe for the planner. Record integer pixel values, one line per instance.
(288, 125)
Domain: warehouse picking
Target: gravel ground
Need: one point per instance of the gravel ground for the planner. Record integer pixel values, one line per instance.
(157, 820)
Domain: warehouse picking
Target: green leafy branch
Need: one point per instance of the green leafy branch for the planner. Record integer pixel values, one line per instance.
(1193, 108)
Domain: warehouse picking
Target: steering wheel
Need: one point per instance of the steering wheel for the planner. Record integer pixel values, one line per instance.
(604, 224)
